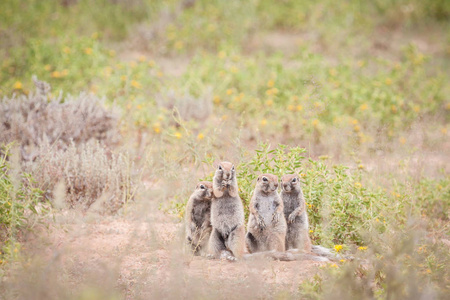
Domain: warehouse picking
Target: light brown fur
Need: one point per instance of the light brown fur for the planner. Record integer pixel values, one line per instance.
(198, 217)
(266, 224)
(297, 236)
(227, 215)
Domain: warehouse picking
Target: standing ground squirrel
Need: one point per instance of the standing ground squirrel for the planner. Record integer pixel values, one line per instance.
(227, 215)
(198, 217)
(266, 224)
(297, 236)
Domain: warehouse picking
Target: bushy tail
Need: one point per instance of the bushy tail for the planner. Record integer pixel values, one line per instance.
(283, 256)
(325, 252)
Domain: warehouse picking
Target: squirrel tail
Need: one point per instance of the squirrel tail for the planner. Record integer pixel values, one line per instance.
(325, 252)
(283, 256)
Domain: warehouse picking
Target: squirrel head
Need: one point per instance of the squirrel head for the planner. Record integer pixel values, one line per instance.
(225, 171)
(225, 179)
(204, 190)
(267, 183)
(290, 182)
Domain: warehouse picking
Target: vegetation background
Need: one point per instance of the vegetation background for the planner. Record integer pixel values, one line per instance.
(112, 110)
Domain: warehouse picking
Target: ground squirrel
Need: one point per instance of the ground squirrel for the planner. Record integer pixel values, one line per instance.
(198, 217)
(266, 224)
(227, 215)
(297, 236)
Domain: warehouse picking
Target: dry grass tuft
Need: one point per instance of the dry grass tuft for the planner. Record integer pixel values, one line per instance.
(92, 176)
(29, 120)
(188, 106)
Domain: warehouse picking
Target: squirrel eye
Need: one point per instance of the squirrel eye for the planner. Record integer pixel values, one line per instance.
(265, 179)
(202, 187)
(294, 180)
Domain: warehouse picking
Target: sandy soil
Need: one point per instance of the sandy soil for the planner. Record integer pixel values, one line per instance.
(141, 256)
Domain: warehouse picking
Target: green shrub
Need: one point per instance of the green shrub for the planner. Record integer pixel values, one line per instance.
(19, 202)
(340, 208)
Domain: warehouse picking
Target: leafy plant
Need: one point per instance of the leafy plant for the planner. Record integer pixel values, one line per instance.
(19, 202)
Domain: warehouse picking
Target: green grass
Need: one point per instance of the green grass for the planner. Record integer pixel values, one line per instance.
(359, 83)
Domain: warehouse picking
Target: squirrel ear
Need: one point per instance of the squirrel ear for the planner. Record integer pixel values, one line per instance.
(216, 164)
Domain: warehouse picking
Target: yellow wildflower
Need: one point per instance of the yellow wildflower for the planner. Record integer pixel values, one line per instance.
(358, 185)
(402, 140)
(363, 107)
(64, 72)
(157, 127)
(47, 67)
(222, 54)
(299, 107)
(94, 35)
(394, 108)
(338, 248)
(66, 50)
(139, 106)
(275, 91)
(444, 130)
(315, 122)
(388, 81)
(56, 74)
(361, 167)
(178, 135)
(216, 99)
(142, 58)
(416, 108)
(200, 136)
(229, 91)
(263, 122)
(234, 69)
(88, 51)
(18, 85)
(269, 102)
(136, 84)
(270, 83)
(362, 248)
(151, 63)
(291, 107)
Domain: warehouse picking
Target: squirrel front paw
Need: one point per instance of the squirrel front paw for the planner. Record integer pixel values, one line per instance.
(261, 223)
(276, 217)
(291, 218)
